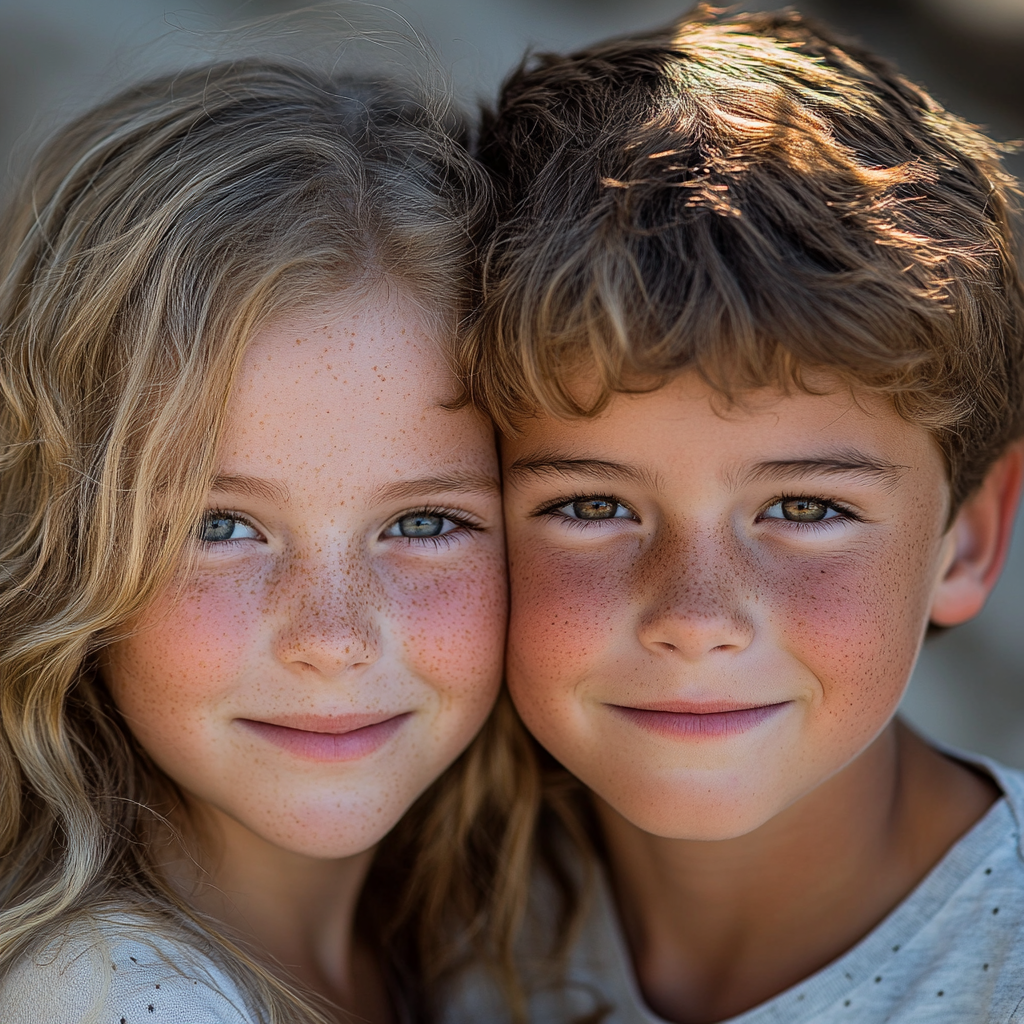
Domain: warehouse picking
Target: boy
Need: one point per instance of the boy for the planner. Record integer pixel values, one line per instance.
(752, 326)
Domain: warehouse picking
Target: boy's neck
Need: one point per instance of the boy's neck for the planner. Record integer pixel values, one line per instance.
(716, 928)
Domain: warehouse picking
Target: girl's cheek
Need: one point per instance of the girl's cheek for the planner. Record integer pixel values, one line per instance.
(451, 622)
(186, 643)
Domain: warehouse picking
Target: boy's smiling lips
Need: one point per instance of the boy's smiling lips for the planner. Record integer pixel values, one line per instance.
(688, 719)
(328, 737)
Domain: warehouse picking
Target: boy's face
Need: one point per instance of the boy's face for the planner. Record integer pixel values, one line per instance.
(714, 613)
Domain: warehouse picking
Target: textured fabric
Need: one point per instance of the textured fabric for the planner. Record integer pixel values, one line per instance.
(117, 970)
(951, 952)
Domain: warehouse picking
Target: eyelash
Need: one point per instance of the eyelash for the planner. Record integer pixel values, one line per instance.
(225, 513)
(444, 540)
(845, 512)
(552, 507)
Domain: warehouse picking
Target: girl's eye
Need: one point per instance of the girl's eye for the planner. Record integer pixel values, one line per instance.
(421, 524)
(801, 510)
(590, 509)
(221, 526)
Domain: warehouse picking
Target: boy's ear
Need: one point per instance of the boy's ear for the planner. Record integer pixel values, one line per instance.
(979, 540)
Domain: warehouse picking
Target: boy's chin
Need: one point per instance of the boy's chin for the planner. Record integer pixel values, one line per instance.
(697, 812)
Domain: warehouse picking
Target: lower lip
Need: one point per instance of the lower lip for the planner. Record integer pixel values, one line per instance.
(328, 746)
(688, 725)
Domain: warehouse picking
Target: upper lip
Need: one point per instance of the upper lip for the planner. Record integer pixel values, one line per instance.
(335, 725)
(691, 707)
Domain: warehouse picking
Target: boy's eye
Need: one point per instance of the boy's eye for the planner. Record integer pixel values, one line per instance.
(596, 508)
(221, 526)
(801, 510)
(420, 524)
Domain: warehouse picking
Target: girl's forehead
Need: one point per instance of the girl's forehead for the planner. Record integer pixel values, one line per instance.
(351, 342)
(351, 395)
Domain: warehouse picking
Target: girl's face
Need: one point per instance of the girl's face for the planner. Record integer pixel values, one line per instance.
(339, 642)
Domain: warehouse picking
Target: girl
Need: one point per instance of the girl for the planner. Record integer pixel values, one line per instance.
(252, 602)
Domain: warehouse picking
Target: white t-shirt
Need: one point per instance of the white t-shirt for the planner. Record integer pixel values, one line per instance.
(118, 969)
(951, 953)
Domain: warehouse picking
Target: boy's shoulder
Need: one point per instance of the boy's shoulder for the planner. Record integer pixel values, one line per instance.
(118, 966)
(950, 951)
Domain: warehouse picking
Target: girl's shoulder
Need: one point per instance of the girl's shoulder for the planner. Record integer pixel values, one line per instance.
(119, 968)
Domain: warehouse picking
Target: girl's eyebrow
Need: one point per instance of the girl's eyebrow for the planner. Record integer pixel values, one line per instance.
(457, 483)
(253, 486)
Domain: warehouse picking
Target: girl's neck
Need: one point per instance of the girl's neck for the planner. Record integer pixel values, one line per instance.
(297, 913)
(716, 928)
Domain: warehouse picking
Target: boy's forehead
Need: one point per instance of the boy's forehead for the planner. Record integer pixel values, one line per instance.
(769, 435)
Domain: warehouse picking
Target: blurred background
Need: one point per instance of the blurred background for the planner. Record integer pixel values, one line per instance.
(58, 56)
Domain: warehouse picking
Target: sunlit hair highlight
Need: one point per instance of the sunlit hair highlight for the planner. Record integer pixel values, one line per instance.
(752, 198)
(152, 237)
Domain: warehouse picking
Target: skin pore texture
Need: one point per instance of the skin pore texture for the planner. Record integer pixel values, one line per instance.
(715, 612)
(317, 669)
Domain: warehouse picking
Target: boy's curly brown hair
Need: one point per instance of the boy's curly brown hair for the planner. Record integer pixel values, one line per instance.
(753, 198)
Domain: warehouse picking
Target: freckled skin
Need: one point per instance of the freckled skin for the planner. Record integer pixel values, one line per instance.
(700, 601)
(321, 613)
(744, 861)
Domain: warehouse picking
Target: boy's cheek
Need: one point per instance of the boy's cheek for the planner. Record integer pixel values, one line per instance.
(567, 611)
(853, 615)
(855, 619)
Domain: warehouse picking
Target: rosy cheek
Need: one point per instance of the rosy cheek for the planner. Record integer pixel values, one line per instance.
(185, 645)
(854, 620)
(566, 609)
(451, 622)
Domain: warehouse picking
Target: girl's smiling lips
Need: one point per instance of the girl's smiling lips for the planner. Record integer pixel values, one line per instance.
(328, 737)
(688, 719)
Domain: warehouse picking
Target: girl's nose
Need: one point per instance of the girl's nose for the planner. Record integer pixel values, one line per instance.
(332, 625)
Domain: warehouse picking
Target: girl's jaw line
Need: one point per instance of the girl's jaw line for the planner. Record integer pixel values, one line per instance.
(335, 738)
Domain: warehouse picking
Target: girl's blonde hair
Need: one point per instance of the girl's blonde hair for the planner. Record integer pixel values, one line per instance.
(151, 238)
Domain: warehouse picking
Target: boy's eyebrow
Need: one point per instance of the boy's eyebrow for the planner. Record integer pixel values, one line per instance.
(554, 466)
(850, 463)
(255, 487)
(458, 482)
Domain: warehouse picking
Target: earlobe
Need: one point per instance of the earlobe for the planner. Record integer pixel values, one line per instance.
(980, 541)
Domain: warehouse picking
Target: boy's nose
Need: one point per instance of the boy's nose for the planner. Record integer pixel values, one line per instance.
(693, 603)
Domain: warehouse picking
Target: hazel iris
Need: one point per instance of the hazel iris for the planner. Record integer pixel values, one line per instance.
(595, 508)
(804, 510)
